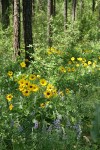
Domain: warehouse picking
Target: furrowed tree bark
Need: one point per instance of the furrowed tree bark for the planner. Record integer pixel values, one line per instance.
(54, 7)
(93, 6)
(27, 26)
(16, 43)
(5, 14)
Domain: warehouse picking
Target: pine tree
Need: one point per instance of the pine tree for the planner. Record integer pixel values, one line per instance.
(27, 26)
(74, 2)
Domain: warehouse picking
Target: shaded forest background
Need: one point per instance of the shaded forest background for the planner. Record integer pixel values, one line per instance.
(43, 23)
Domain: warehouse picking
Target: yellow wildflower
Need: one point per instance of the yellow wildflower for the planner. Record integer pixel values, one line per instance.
(49, 51)
(38, 76)
(43, 82)
(26, 92)
(67, 90)
(62, 69)
(79, 59)
(9, 97)
(50, 87)
(23, 64)
(73, 58)
(22, 82)
(30, 87)
(32, 77)
(48, 94)
(89, 62)
(77, 65)
(35, 88)
(69, 69)
(23, 76)
(21, 88)
(10, 73)
(27, 83)
(85, 64)
(42, 105)
(11, 107)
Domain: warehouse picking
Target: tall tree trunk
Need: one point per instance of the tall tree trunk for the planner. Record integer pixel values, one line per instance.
(16, 43)
(5, 14)
(93, 6)
(27, 25)
(53, 7)
(74, 10)
(50, 14)
(65, 14)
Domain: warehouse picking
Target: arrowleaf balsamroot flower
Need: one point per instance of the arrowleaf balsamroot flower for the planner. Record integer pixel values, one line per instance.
(42, 105)
(23, 64)
(21, 88)
(35, 88)
(62, 69)
(79, 59)
(32, 77)
(11, 107)
(48, 94)
(22, 82)
(43, 82)
(67, 90)
(10, 73)
(27, 83)
(9, 97)
(85, 64)
(77, 65)
(89, 62)
(50, 87)
(26, 92)
(73, 58)
(31, 87)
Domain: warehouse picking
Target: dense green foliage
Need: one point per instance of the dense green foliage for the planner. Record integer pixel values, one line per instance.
(54, 104)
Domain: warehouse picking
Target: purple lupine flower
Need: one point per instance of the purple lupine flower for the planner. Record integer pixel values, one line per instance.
(57, 123)
(77, 127)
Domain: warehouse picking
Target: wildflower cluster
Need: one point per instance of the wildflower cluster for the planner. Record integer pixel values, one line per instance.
(9, 98)
(48, 92)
